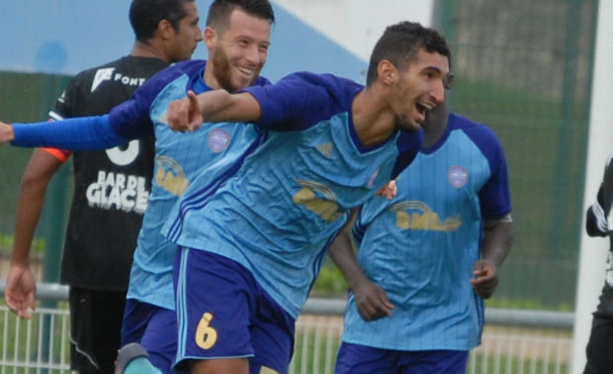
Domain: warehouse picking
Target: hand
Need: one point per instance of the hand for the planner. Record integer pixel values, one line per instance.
(7, 134)
(20, 292)
(371, 301)
(184, 115)
(486, 278)
(390, 190)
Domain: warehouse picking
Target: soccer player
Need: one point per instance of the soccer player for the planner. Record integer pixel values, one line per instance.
(237, 37)
(250, 252)
(600, 346)
(429, 257)
(102, 228)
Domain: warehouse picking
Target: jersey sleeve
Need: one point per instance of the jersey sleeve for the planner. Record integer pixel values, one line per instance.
(77, 134)
(297, 102)
(130, 119)
(495, 195)
(596, 223)
(62, 110)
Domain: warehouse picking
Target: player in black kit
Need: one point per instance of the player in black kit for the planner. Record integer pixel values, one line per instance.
(600, 346)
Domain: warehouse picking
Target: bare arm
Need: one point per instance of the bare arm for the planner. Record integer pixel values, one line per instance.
(6, 133)
(371, 300)
(497, 241)
(20, 290)
(189, 113)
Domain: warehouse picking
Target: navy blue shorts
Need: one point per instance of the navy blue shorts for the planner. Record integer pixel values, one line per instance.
(224, 313)
(155, 328)
(359, 359)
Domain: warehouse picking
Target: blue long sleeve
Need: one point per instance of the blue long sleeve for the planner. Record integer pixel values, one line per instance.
(76, 134)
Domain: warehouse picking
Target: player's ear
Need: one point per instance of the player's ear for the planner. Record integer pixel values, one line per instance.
(165, 29)
(210, 36)
(387, 72)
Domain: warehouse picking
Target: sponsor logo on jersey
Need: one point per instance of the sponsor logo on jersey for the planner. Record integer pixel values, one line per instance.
(218, 140)
(106, 74)
(458, 176)
(118, 191)
(124, 155)
(319, 199)
(326, 149)
(416, 215)
(170, 175)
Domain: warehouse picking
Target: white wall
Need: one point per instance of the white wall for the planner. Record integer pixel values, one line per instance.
(357, 24)
(600, 145)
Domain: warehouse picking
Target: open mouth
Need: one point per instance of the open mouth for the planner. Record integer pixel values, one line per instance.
(423, 108)
(249, 73)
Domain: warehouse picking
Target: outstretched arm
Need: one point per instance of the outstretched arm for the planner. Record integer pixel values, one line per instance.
(20, 292)
(497, 241)
(371, 300)
(77, 133)
(189, 113)
(6, 133)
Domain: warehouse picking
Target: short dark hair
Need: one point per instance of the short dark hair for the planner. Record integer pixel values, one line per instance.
(145, 16)
(220, 10)
(400, 44)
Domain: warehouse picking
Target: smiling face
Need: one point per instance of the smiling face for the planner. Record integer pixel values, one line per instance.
(237, 52)
(419, 88)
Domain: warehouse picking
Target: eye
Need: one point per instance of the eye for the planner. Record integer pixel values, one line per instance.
(448, 81)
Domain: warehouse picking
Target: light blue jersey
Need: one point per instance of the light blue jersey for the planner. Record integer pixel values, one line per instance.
(278, 215)
(421, 246)
(179, 158)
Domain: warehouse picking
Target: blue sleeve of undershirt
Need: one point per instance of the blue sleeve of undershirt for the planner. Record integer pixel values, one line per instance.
(75, 134)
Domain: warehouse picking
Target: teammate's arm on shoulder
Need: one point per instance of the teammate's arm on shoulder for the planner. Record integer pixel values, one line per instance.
(226, 107)
(189, 113)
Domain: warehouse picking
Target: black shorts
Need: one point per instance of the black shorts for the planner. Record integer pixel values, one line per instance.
(95, 329)
(600, 347)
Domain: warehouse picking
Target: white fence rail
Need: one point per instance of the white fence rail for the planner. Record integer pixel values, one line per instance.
(514, 341)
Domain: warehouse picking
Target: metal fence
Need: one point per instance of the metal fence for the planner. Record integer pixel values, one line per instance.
(514, 341)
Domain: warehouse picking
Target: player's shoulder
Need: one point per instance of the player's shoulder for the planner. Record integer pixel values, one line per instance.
(482, 136)
(107, 65)
(190, 69)
(475, 130)
(330, 81)
(334, 92)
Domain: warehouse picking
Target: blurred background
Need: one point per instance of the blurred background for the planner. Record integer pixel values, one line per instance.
(523, 67)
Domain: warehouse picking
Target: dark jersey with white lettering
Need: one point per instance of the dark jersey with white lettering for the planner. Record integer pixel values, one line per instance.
(112, 186)
(599, 222)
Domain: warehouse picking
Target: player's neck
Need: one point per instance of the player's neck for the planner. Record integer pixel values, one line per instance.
(373, 123)
(141, 49)
(434, 132)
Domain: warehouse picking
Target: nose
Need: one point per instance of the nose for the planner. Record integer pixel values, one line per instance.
(253, 55)
(199, 35)
(438, 92)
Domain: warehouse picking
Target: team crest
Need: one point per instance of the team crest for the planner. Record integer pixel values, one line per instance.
(458, 176)
(218, 140)
(373, 177)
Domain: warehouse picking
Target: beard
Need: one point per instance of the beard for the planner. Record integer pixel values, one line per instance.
(223, 71)
(404, 124)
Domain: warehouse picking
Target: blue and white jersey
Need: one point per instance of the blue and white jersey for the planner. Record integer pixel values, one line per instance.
(179, 158)
(278, 215)
(421, 246)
